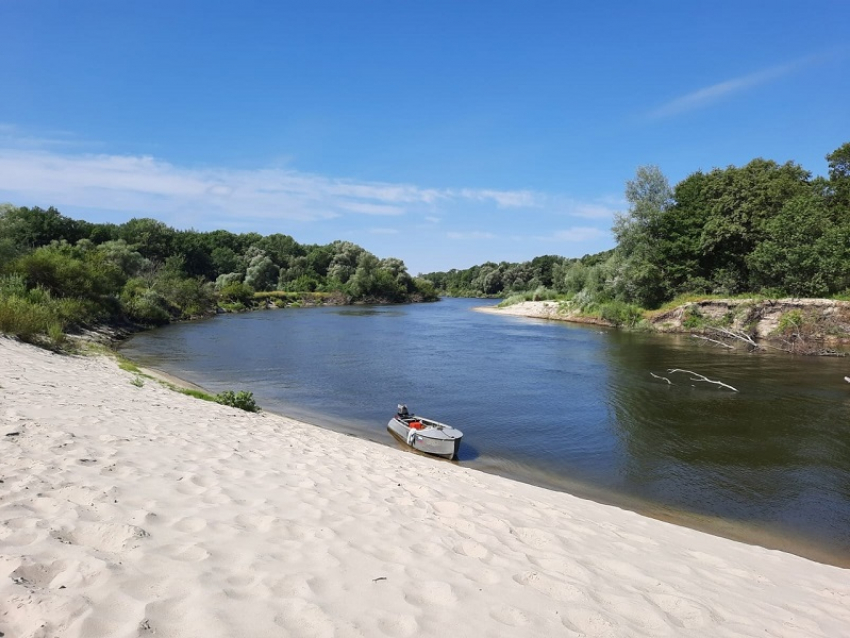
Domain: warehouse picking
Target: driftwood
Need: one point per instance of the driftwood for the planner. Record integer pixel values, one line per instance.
(694, 377)
(739, 335)
(671, 383)
(699, 377)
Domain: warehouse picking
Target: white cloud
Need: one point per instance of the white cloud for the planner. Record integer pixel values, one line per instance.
(503, 199)
(145, 185)
(708, 95)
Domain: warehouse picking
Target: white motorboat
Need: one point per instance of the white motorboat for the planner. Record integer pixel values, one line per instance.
(425, 435)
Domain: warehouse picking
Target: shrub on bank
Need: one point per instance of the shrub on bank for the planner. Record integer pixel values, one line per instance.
(242, 400)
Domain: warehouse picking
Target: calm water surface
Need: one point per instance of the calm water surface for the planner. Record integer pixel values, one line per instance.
(567, 406)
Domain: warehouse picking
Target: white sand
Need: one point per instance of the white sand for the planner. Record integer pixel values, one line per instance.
(138, 511)
(531, 309)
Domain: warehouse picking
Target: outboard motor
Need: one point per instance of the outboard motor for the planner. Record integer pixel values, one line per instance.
(402, 411)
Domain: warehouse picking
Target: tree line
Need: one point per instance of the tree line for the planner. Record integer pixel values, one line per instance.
(57, 272)
(763, 228)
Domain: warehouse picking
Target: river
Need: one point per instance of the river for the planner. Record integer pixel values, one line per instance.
(566, 406)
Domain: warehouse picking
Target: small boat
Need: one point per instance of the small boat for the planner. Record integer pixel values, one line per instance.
(425, 435)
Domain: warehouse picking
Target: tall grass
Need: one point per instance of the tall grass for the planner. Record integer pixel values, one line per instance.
(35, 314)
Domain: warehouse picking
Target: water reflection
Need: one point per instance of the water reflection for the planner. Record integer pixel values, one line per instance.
(774, 453)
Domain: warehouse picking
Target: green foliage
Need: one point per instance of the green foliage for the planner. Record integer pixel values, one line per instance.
(262, 273)
(129, 366)
(23, 319)
(790, 322)
(806, 252)
(242, 400)
(198, 394)
(620, 313)
(236, 292)
(693, 318)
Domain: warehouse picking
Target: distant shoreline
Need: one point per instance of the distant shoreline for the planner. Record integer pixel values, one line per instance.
(797, 326)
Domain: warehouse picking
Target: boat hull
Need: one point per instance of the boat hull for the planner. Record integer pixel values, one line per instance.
(433, 438)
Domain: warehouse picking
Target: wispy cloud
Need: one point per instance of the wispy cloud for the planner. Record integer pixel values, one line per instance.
(143, 185)
(708, 95)
(504, 199)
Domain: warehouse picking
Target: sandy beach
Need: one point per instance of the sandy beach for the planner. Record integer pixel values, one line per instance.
(128, 509)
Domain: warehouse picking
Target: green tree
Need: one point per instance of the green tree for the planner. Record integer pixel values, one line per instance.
(262, 273)
(806, 254)
(740, 203)
(839, 177)
(641, 278)
(152, 238)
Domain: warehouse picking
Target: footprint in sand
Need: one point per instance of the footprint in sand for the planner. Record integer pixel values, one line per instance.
(566, 567)
(254, 522)
(482, 575)
(537, 538)
(305, 619)
(428, 550)
(11, 537)
(38, 574)
(471, 549)
(589, 623)
(186, 553)
(190, 524)
(105, 537)
(548, 586)
(291, 586)
(634, 612)
(49, 573)
(508, 615)
(432, 592)
(683, 612)
(397, 626)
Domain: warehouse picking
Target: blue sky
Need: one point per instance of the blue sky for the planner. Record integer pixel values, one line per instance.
(446, 133)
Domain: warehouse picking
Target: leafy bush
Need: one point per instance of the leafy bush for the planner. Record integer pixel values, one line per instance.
(693, 318)
(236, 292)
(144, 305)
(242, 400)
(620, 313)
(790, 322)
(23, 319)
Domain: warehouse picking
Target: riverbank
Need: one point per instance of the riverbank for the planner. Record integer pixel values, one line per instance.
(800, 326)
(130, 509)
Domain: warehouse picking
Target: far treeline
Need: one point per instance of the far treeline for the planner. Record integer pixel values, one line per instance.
(58, 273)
(765, 228)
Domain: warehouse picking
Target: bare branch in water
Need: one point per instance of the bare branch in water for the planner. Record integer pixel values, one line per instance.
(664, 378)
(699, 377)
(740, 335)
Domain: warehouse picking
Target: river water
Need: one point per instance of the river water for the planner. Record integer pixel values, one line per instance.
(566, 406)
